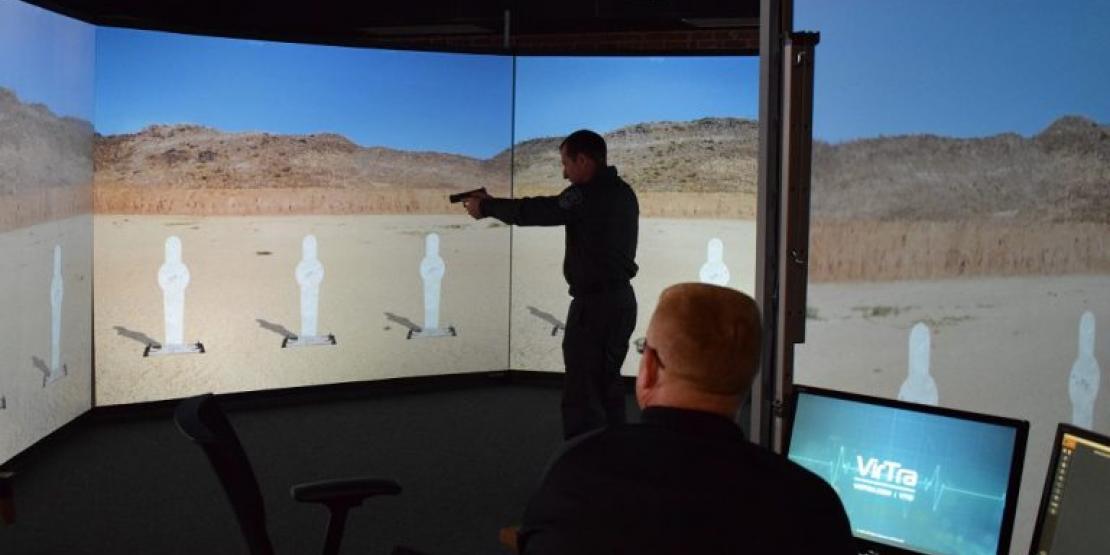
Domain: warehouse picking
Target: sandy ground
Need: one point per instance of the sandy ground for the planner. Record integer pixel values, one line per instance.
(26, 268)
(1001, 346)
(238, 300)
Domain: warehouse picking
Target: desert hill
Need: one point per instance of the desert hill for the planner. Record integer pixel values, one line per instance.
(709, 155)
(1061, 174)
(192, 156)
(45, 164)
(41, 149)
(199, 170)
(934, 206)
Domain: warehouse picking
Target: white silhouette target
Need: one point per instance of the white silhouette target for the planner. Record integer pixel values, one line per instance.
(1083, 383)
(173, 278)
(714, 270)
(432, 269)
(919, 387)
(309, 275)
(57, 370)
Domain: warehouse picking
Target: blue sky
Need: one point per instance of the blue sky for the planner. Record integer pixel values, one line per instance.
(556, 96)
(884, 67)
(47, 58)
(405, 100)
(960, 68)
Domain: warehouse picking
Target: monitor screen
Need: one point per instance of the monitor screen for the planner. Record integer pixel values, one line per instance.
(1076, 499)
(913, 478)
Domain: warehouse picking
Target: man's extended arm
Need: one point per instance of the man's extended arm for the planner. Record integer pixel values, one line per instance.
(537, 211)
(526, 211)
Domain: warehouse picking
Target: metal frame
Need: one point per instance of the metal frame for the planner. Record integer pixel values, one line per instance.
(793, 247)
(782, 233)
(775, 16)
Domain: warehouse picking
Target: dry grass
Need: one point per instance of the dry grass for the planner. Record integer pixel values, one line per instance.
(740, 205)
(27, 208)
(249, 202)
(861, 250)
(884, 251)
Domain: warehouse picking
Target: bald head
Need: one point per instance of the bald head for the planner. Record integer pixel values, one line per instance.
(706, 342)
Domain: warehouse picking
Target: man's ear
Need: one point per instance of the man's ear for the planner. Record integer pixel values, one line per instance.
(646, 379)
(650, 367)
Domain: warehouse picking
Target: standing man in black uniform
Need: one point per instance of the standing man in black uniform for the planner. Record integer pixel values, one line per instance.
(601, 216)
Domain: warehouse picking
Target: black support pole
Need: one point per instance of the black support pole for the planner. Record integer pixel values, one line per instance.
(775, 19)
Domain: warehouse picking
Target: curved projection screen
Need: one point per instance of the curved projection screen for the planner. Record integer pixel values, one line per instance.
(266, 214)
(46, 104)
(273, 215)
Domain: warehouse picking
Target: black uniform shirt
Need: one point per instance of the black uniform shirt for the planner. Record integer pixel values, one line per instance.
(602, 223)
(680, 482)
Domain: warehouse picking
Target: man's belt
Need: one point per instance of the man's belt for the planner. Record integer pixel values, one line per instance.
(599, 287)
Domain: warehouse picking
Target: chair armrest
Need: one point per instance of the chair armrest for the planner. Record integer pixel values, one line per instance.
(344, 490)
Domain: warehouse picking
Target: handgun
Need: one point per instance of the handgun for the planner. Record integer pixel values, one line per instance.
(459, 197)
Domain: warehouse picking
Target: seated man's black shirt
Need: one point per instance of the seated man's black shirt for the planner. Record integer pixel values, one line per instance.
(602, 225)
(681, 482)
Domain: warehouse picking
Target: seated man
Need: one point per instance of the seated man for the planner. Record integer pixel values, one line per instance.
(685, 479)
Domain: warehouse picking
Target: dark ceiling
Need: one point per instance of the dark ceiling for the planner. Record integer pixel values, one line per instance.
(369, 22)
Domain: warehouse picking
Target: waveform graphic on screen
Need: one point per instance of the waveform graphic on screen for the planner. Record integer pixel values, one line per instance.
(891, 479)
(924, 481)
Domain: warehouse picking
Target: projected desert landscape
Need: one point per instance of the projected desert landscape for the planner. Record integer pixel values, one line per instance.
(45, 200)
(961, 234)
(999, 245)
(948, 215)
(242, 203)
(45, 164)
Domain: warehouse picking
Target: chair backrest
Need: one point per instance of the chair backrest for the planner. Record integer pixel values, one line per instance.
(201, 419)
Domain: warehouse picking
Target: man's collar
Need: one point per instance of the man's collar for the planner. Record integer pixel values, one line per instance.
(693, 422)
(603, 175)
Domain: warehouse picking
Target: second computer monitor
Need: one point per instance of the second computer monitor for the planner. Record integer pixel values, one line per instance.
(1076, 498)
(912, 478)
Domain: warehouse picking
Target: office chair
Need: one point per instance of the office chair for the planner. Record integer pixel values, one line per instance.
(201, 420)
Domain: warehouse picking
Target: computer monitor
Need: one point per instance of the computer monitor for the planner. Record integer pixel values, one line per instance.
(912, 478)
(1076, 498)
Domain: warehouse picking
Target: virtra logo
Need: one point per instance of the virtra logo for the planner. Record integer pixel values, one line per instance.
(885, 478)
(887, 471)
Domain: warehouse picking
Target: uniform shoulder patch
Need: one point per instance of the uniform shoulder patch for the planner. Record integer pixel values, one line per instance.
(570, 198)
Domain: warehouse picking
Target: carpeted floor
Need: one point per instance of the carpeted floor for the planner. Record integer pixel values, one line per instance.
(467, 458)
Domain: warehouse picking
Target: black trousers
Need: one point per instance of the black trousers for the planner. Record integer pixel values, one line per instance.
(594, 347)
